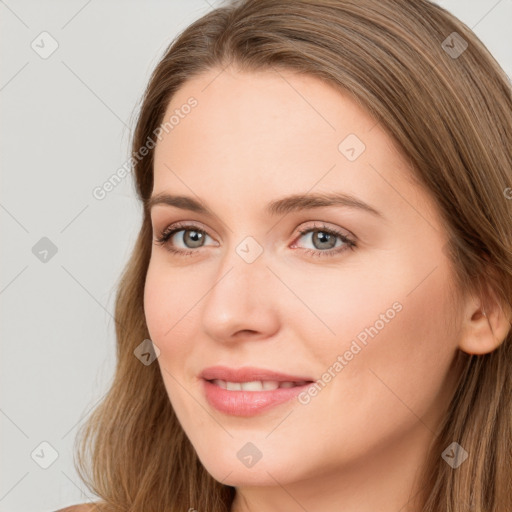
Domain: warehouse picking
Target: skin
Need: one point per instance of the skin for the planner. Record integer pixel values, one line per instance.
(359, 444)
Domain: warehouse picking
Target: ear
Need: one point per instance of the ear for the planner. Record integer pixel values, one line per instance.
(484, 326)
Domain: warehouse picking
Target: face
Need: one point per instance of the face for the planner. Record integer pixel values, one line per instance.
(351, 299)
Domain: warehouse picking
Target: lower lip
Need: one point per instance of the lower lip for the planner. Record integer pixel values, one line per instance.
(248, 403)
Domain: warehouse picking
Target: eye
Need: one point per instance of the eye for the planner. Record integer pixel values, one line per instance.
(193, 238)
(325, 240)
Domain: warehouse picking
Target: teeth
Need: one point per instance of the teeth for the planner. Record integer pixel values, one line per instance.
(220, 383)
(233, 386)
(255, 385)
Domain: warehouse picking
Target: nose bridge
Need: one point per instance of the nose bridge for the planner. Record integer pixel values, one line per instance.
(241, 293)
(243, 264)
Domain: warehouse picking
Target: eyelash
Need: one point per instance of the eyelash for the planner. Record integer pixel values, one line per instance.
(168, 232)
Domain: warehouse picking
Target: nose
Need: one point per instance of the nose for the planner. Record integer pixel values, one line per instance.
(242, 302)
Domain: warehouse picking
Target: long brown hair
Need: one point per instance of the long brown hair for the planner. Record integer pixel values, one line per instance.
(448, 105)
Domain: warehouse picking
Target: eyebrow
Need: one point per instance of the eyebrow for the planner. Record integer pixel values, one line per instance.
(281, 206)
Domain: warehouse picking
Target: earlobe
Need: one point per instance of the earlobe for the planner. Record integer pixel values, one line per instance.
(484, 330)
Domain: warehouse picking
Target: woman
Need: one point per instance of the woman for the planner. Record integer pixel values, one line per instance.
(316, 314)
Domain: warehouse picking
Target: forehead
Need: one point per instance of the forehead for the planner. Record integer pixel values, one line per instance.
(265, 133)
(284, 110)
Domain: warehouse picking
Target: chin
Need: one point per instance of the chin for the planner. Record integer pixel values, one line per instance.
(232, 474)
(233, 465)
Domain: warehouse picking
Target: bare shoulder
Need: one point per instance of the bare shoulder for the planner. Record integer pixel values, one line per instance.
(81, 507)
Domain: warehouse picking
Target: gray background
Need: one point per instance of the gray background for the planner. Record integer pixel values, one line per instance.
(66, 124)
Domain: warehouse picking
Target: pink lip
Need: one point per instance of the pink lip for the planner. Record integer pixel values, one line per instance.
(248, 403)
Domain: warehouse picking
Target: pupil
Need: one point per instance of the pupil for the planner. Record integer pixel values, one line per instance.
(323, 238)
(196, 238)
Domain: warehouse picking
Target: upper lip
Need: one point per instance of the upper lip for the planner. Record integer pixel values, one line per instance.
(249, 374)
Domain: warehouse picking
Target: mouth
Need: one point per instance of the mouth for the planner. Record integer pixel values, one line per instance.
(249, 391)
(249, 375)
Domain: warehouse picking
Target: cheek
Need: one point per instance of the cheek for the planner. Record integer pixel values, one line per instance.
(395, 347)
(352, 307)
(167, 306)
(170, 318)
(402, 355)
(157, 304)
